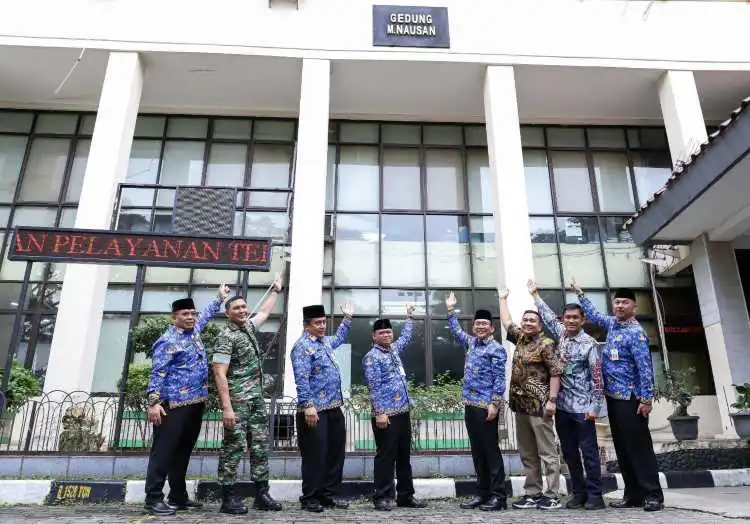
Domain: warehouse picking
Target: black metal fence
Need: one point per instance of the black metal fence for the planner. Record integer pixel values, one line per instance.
(62, 422)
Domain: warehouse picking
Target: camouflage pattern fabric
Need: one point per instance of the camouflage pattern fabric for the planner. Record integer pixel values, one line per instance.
(251, 427)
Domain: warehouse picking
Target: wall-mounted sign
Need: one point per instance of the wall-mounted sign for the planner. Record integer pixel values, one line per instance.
(122, 247)
(410, 26)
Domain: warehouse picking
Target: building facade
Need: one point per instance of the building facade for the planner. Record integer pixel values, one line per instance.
(499, 142)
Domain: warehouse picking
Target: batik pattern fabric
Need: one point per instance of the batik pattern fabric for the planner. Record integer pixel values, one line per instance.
(626, 359)
(535, 362)
(484, 367)
(316, 372)
(581, 387)
(251, 428)
(237, 346)
(386, 377)
(179, 372)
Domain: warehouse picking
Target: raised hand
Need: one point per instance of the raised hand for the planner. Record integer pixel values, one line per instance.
(277, 286)
(450, 301)
(574, 286)
(223, 292)
(410, 310)
(503, 293)
(348, 309)
(532, 287)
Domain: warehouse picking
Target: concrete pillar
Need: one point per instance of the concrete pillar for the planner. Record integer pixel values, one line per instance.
(683, 116)
(725, 320)
(515, 264)
(308, 211)
(75, 342)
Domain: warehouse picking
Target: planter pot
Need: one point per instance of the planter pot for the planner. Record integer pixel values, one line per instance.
(742, 425)
(684, 428)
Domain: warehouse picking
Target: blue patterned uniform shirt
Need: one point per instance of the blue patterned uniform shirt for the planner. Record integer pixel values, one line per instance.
(316, 372)
(484, 368)
(581, 389)
(179, 372)
(385, 375)
(626, 359)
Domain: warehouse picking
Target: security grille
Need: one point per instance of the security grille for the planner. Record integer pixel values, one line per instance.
(204, 211)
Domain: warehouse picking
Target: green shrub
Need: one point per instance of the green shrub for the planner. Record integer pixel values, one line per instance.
(22, 385)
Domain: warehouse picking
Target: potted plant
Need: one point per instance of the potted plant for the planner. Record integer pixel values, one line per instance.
(678, 389)
(741, 417)
(22, 385)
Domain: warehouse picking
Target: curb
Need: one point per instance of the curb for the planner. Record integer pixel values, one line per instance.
(52, 492)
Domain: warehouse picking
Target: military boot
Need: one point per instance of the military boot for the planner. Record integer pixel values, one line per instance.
(263, 500)
(230, 503)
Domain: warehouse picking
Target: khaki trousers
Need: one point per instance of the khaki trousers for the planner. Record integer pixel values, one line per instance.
(536, 445)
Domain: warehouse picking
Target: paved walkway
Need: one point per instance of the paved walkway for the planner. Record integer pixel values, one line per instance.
(707, 505)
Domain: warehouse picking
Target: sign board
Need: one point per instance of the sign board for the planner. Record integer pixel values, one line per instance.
(153, 249)
(410, 26)
(85, 491)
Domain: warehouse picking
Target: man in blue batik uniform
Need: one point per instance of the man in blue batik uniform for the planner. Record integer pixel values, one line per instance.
(629, 387)
(321, 427)
(391, 423)
(484, 387)
(177, 393)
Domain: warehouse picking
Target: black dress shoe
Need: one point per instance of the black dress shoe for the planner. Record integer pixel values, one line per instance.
(313, 506)
(576, 502)
(474, 503)
(383, 505)
(333, 503)
(411, 502)
(160, 508)
(653, 505)
(594, 503)
(494, 504)
(185, 505)
(625, 503)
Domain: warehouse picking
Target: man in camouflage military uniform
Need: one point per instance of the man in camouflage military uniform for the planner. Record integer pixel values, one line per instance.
(237, 367)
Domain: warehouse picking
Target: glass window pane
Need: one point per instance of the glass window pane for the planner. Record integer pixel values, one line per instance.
(350, 355)
(15, 122)
(483, 251)
(402, 251)
(413, 358)
(34, 216)
(56, 123)
(651, 169)
(134, 220)
(142, 169)
(330, 178)
(123, 274)
(366, 301)
(270, 170)
(12, 150)
(464, 304)
(606, 137)
(395, 301)
(532, 136)
(278, 265)
(448, 251)
(401, 185)
(119, 299)
(182, 166)
(171, 275)
(77, 171)
(87, 125)
(253, 298)
(598, 298)
(623, 256)
(45, 170)
(356, 250)
(215, 276)
(187, 127)
(486, 299)
(401, 134)
(443, 135)
(359, 133)
(565, 137)
(475, 135)
(544, 252)
(480, 182)
(234, 129)
(4, 216)
(226, 165)
(580, 250)
(445, 180)
(272, 225)
(327, 259)
(149, 126)
(653, 137)
(538, 194)
(160, 299)
(327, 300)
(613, 182)
(572, 184)
(358, 184)
(447, 355)
(274, 130)
(68, 217)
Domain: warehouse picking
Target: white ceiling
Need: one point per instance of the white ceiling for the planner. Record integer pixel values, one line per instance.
(264, 86)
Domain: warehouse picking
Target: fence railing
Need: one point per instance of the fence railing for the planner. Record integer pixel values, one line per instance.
(77, 422)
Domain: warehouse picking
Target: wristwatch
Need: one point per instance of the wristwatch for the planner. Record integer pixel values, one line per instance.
(153, 399)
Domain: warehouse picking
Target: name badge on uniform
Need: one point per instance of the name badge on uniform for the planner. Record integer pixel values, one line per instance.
(568, 369)
(613, 354)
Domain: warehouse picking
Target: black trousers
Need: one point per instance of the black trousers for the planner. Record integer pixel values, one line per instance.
(578, 438)
(393, 451)
(323, 449)
(635, 450)
(485, 452)
(172, 445)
